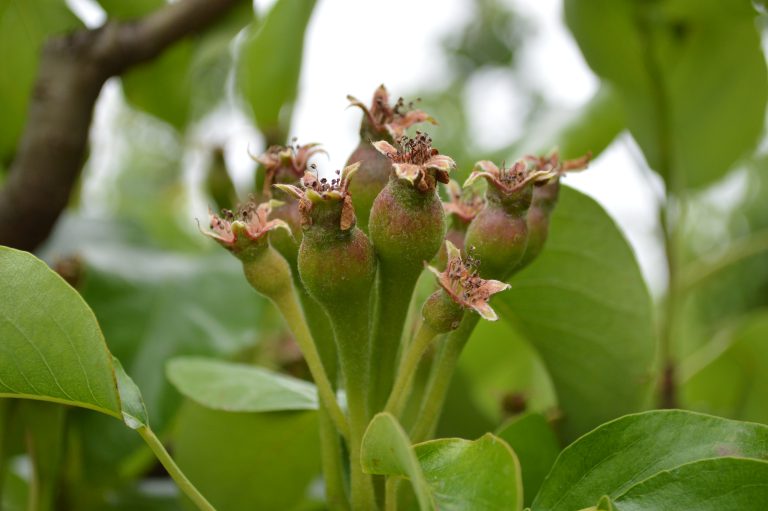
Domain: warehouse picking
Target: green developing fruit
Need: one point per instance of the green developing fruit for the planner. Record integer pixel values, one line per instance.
(380, 122)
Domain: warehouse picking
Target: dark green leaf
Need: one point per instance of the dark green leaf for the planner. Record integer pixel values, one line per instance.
(618, 455)
(247, 461)
(692, 77)
(387, 450)
(584, 307)
(724, 484)
(24, 26)
(270, 63)
(238, 387)
(536, 446)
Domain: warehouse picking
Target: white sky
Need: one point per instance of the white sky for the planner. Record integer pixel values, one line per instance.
(353, 46)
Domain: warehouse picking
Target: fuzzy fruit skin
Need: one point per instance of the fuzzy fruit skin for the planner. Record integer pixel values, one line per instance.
(544, 202)
(407, 226)
(370, 179)
(498, 240)
(337, 269)
(268, 272)
(441, 313)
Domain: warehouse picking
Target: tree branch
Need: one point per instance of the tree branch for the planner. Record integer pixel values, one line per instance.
(72, 71)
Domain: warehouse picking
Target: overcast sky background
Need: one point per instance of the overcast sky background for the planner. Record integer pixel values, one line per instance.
(353, 46)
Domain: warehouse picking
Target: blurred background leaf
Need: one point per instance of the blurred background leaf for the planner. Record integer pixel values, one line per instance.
(24, 27)
(245, 461)
(269, 67)
(692, 77)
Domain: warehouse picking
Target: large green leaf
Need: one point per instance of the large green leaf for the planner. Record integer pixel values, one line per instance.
(731, 379)
(618, 455)
(691, 75)
(24, 26)
(247, 461)
(232, 387)
(270, 63)
(480, 474)
(584, 307)
(536, 446)
(454, 474)
(387, 450)
(721, 484)
(52, 348)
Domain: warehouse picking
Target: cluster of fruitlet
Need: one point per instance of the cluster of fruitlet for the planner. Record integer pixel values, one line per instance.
(340, 258)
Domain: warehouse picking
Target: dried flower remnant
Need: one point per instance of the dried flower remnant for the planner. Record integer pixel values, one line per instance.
(553, 163)
(462, 282)
(463, 203)
(382, 119)
(244, 229)
(286, 164)
(417, 162)
(315, 190)
(510, 180)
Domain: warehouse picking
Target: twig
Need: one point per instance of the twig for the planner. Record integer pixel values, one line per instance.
(73, 68)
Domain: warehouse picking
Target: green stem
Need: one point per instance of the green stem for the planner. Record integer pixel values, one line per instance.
(173, 470)
(289, 307)
(394, 291)
(350, 326)
(333, 471)
(440, 379)
(407, 369)
(391, 490)
(5, 423)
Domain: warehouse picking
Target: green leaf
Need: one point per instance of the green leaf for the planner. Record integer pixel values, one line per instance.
(584, 306)
(454, 474)
(122, 10)
(387, 450)
(270, 63)
(536, 446)
(212, 60)
(618, 455)
(162, 87)
(481, 474)
(232, 387)
(52, 347)
(247, 461)
(730, 380)
(24, 27)
(189, 78)
(496, 365)
(133, 408)
(724, 484)
(44, 432)
(692, 77)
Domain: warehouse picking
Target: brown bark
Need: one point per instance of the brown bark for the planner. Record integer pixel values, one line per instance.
(73, 68)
